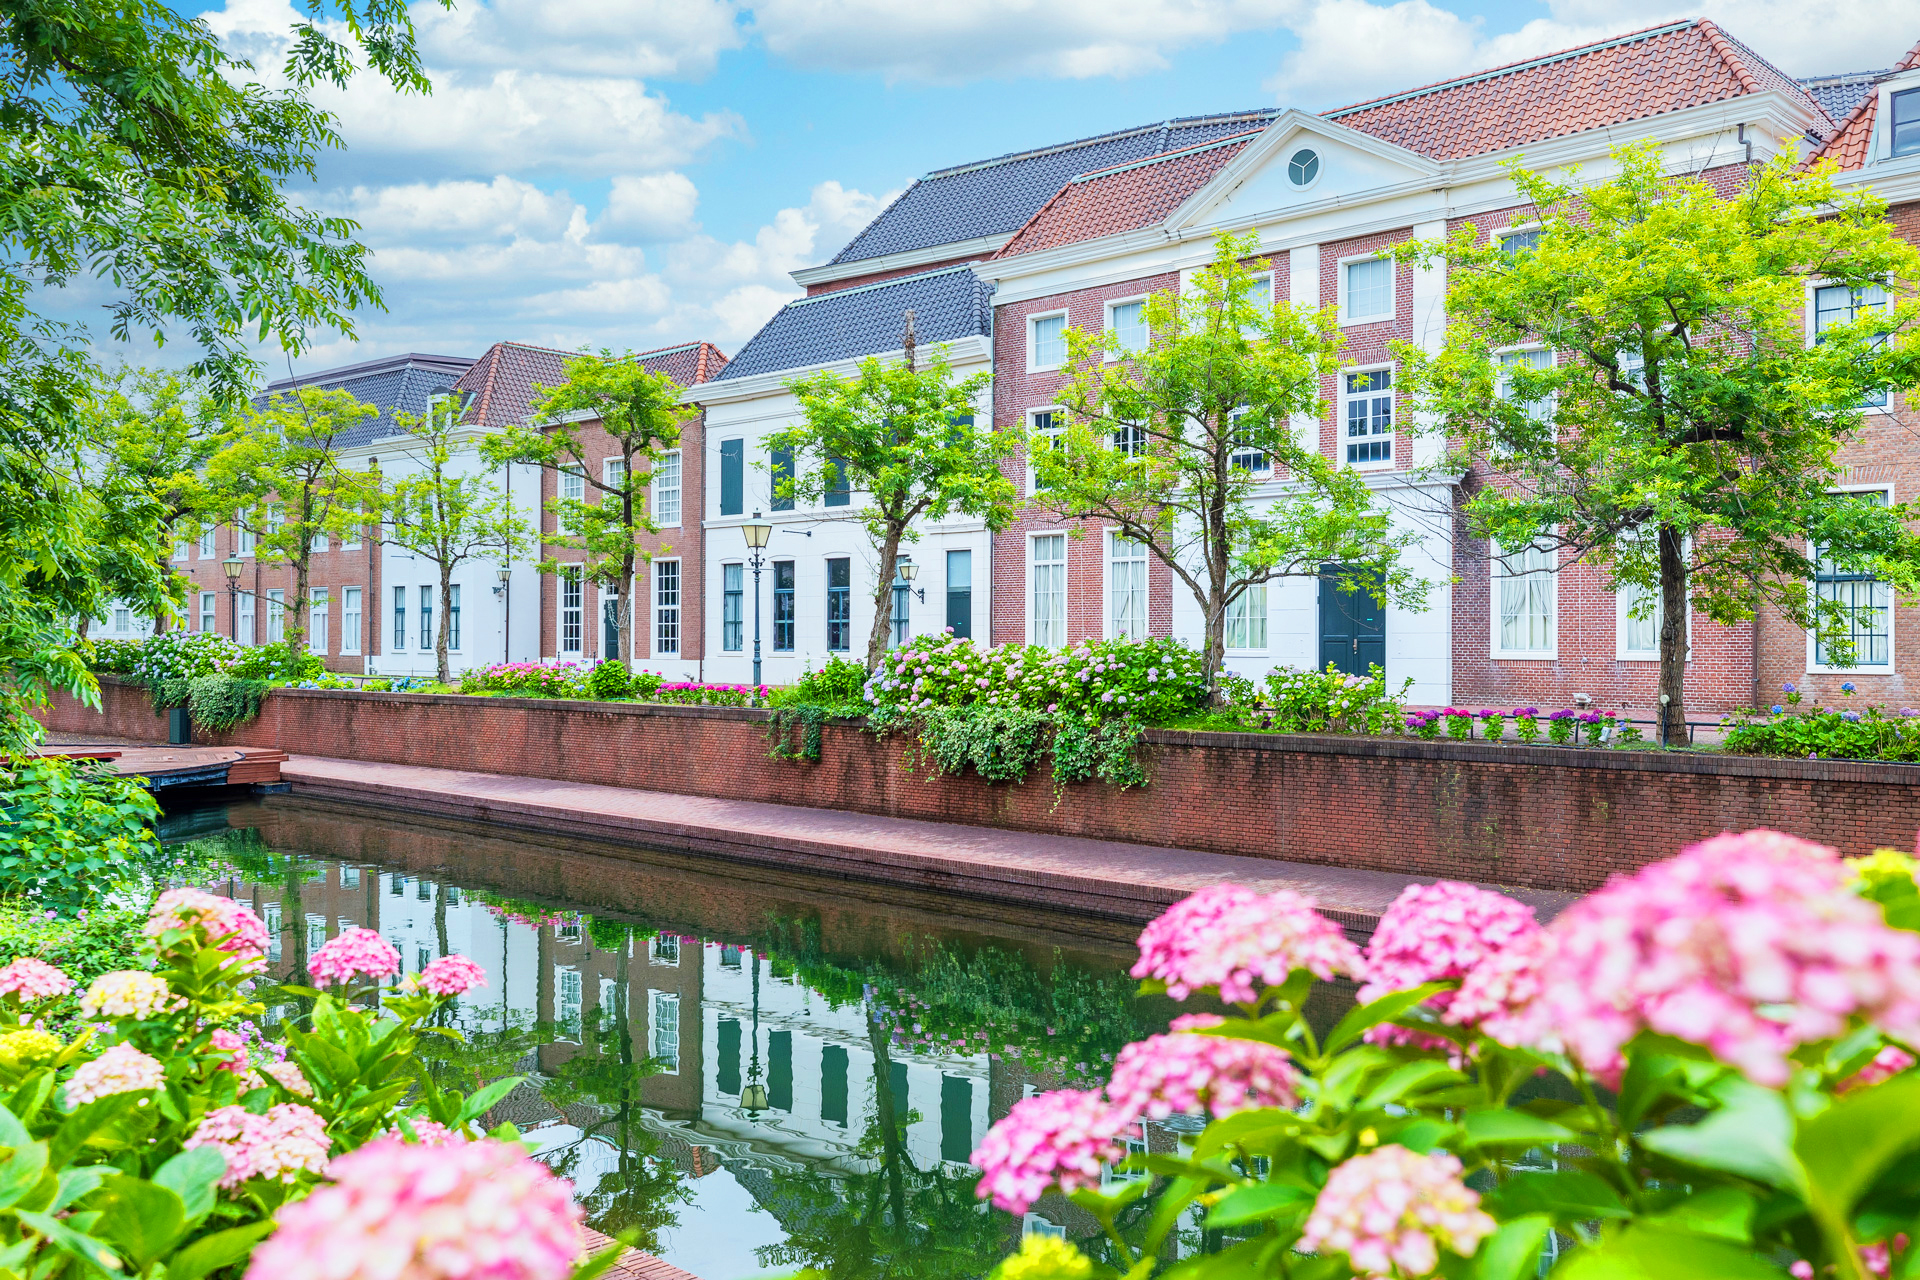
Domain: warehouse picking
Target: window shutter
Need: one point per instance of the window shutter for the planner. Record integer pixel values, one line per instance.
(733, 471)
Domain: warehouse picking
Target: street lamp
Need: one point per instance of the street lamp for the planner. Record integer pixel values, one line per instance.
(505, 574)
(908, 571)
(753, 1098)
(232, 566)
(756, 531)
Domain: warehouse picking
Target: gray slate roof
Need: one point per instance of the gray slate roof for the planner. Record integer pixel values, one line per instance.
(1838, 95)
(406, 383)
(996, 197)
(848, 323)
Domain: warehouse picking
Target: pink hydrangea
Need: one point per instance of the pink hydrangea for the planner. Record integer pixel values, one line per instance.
(291, 1078)
(450, 976)
(288, 1140)
(431, 1133)
(1231, 938)
(396, 1211)
(121, 1069)
(228, 925)
(1433, 932)
(1391, 1211)
(1186, 1072)
(129, 993)
(32, 979)
(1062, 1138)
(229, 1043)
(1500, 995)
(353, 953)
(1747, 944)
(1886, 1064)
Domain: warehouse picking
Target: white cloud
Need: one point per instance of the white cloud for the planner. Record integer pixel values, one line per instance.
(1801, 39)
(650, 206)
(645, 38)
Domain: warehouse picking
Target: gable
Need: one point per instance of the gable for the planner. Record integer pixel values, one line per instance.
(1263, 179)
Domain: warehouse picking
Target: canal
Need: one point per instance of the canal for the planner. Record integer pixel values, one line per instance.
(755, 1070)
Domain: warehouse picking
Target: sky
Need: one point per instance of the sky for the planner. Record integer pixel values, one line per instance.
(644, 173)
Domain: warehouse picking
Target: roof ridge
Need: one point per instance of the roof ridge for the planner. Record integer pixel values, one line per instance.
(879, 284)
(1843, 77)
(1056, 148)
(1545, 59)
(1021, 230)
(1175, 154)
(1718, 42)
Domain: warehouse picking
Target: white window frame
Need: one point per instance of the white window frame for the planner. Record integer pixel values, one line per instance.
(1496, 575)
(679, 607)
(1257, 592)
(1066, 594)
(318, 610)
(658, 1001)
(1620, 620)
(1503, 234)
(1111, 586)
(351, 612)
(1319, 169)
(1813, 288)
(566, 478)
(1052, 433)
(1893, 612)
(1108, 325)
(1347, 317)
(1033, 340)
(276, 615)
(248, 604)
(181, 549)
(1341, 439)
(207, 543)
(664, 950)
(569, 1006)
(1254, 284)
(1538, 410)
(210, 608)
(1262, 472)
(608, 467)
(570, 575)
(677, 489)
(1883, 119)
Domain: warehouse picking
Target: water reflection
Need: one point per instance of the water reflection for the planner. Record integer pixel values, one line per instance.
(755, 1072)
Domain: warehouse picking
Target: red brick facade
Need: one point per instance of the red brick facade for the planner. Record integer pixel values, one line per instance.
(336, 569)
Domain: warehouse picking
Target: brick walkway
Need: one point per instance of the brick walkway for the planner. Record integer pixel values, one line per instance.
(633, 1264)
(1130, 882)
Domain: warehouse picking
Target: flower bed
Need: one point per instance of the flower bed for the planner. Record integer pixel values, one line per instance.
(1868, 733)
(1717, 1058)
(1148, 680)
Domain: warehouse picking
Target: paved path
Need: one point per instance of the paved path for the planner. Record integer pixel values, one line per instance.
(1119, 881)
(633, 1264)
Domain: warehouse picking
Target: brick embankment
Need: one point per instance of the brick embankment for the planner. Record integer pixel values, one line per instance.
(633, 1264)
(1109, 879)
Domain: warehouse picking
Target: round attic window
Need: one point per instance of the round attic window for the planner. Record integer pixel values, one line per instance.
(1303, 167)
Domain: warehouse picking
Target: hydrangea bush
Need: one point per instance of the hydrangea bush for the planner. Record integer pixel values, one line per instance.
(1704, 1070)
(165, 1137)
(1148, 680)
(1843, 733)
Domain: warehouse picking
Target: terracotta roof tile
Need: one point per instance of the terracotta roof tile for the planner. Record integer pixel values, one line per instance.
(1632, 77)
(1848, 146)
(1124, 197)
(503, 379)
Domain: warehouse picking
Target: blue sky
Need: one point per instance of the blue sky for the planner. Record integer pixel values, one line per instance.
(638, 173)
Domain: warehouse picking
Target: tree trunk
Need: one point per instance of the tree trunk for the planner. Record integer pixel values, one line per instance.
(446, 622)
(1216, 646)
(887, 1115)
(296, 628)
(883, 596)
(1673, 638)
(623, 612)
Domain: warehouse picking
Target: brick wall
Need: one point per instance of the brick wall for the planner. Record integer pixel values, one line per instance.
(1016, 391)
(336, 569)
(684, 544)
(1541, 817)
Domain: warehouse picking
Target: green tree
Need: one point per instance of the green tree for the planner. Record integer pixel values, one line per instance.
(1687, 436)
(1171, 446)
(446, 513)
(640, 414)
(903, 438)
(283, 476)
(155, 432)
(141, 155)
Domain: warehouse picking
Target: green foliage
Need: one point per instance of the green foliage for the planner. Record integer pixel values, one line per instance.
(1152, 443)
(1867, 734)
(1332, 701)
(222, 702)
(70, 830)
(277, 661)
(1005, 744)
(839, 683)
(111, 657)
(641, 415)
(1110, 750)
(94, 940)
(446, 514)
(1149, 680)
(527, 679)
(609, 679)
(1688, 437)
(904, 439)
(796, 730)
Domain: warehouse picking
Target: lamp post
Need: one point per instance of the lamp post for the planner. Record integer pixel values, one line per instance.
(231, 566)
(756, 532)
(505, 574)
(753, 1098)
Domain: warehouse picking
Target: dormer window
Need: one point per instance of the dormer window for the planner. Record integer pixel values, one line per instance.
(1906, 122)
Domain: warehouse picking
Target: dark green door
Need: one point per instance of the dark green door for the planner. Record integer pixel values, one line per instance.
(1353, 627)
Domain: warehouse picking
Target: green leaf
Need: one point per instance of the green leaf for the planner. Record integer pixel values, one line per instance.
(1255, 1203)
(1724, 1212)
(194, 1176)
(1407, 1078)
(1567, 1194)
(22, 1172)
(1513, 1251)
(1503, 1127)
(67, 1239)
(12, 1132)
(484, 1099)
(1751, 1134)
(143, 1218)
(221, 1249)
(1362, 1018)
(593, 1266)
(1646, 1253)
(1845, 1147)
(78, 1183)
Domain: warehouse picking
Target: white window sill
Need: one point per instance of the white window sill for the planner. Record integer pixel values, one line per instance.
(1850, 672)
(1385, 464)
(1383, 318)
(1524, 655)
(1045, 368)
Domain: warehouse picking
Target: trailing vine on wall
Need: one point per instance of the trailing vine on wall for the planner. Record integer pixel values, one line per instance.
(794, 733)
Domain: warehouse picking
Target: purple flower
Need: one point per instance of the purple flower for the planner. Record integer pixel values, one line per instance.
(1776, 708)
(1788, 687)
(1850, 716)
(1846, 686)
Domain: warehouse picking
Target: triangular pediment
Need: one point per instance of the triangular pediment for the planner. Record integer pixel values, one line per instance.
(1266, 179)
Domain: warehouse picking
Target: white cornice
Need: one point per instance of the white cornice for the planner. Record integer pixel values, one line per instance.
(968, 350)
(978, 247)
(1895, 181)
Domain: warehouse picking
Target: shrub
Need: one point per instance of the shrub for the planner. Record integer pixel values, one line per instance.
(92, 941)
(221, 702)
(1701, 1070)
(1149, 680)
(1866, 734)
(381, 686)
(527, 679)
(838, 683)
(71, 830)
(113, 657)
(277, 662)
(182, 655)
(608, 680)
(1332, 701)
(688, 693)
